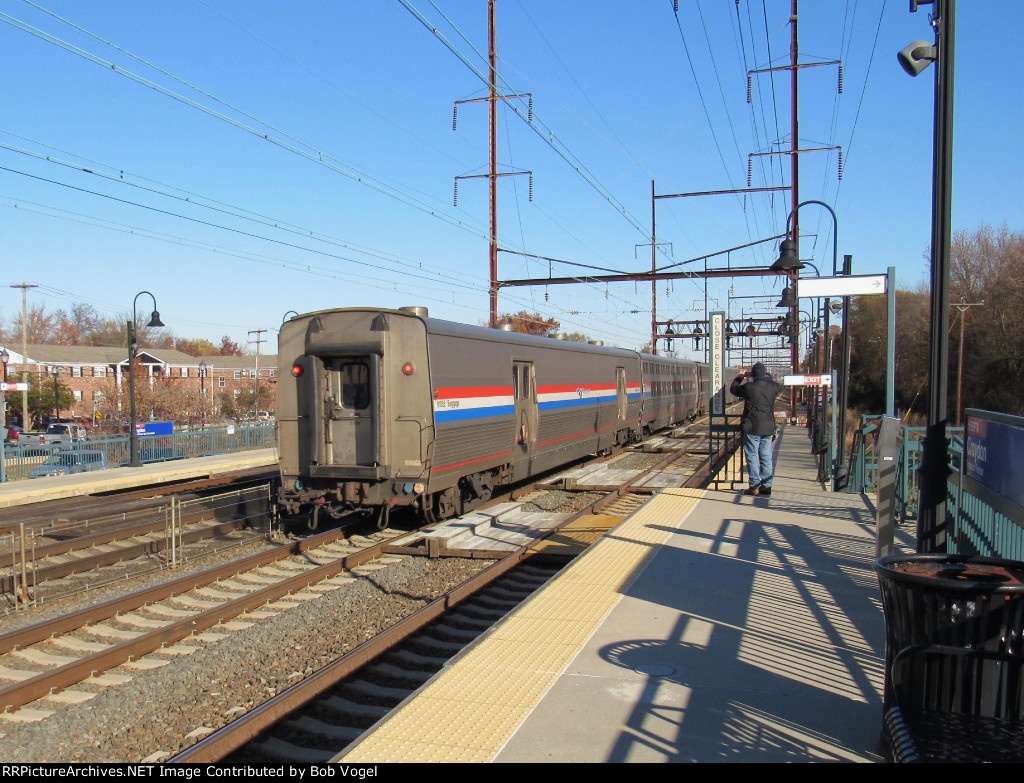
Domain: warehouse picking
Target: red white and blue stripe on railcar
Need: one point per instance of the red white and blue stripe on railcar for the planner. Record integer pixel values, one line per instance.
(458, 403)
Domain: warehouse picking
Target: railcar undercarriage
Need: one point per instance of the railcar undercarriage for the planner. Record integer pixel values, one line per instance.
(349, 499)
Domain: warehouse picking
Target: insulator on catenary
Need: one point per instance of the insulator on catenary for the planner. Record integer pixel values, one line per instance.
(455, 201)
(531, 187)
(749, 88)
(840, 164)
(455, 115)
(840, 78)
(750, 170)
(530, 110)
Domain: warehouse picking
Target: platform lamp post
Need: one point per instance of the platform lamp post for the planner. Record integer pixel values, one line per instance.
(788, 260)
(4, 357)
(133, 348)
(202, 385)
(669, 334)
(54, 370)
(934, 472)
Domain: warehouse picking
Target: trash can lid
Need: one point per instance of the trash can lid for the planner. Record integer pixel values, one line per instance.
(952, 571)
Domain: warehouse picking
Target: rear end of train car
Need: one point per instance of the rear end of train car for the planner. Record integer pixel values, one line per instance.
(385, 408)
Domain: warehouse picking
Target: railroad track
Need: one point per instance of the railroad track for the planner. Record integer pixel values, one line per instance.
(315, 719)
(155, 620)
(140, 540)
(340, 702)
(63, 669)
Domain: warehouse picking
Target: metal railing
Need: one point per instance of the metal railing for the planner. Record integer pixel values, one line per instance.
(986, 517)
(26, 549)
(19, 459)
(980, 521)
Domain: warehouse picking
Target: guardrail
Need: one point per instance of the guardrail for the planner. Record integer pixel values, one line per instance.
(19, 459)
(984, 492)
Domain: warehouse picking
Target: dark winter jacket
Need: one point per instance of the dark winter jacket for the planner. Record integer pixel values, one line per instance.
(758, 394)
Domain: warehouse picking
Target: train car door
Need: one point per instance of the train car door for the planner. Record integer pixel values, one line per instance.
(350, 409)
(621, 395)
(524, 383)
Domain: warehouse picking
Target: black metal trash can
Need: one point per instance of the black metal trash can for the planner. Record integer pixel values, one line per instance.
(961, 601)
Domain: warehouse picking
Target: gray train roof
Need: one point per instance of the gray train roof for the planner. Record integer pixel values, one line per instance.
(467, 331)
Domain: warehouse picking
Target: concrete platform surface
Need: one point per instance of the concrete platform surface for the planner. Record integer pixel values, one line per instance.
(708, 626)
(18, 493)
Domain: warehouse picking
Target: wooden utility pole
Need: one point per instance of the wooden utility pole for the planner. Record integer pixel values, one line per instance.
(24, 349)
(256, 384)
(962, 306)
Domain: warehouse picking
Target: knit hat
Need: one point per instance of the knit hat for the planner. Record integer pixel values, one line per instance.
(759, 371)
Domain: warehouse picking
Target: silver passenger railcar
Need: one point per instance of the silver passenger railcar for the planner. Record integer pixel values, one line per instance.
(380, 408)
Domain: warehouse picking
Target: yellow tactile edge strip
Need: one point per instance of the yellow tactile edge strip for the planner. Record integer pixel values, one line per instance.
(471, 709)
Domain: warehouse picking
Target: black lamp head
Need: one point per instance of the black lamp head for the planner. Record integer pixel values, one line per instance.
(787, 257)
(788, 299)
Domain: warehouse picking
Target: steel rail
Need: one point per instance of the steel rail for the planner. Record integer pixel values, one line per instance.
(38, 575)
(41, 631)
(244, 729)
(21, 693)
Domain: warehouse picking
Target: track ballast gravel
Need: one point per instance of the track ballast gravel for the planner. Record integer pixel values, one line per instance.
(160, 712)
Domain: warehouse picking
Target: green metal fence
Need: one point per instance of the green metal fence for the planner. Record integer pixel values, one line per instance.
(864, 462)
(980, 521)
(20, 459)
(984, 520)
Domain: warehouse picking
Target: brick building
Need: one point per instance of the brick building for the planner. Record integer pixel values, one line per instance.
(93, 373)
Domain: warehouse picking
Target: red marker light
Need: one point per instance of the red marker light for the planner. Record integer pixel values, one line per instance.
(408, 368)
(296, 370)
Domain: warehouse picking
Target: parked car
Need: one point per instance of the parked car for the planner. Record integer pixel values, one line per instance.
(55, 435)
(64, 462)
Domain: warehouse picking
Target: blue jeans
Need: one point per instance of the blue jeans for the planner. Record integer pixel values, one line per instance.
(758, 451)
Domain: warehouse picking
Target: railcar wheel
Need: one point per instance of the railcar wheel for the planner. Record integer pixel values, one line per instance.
(446, 503)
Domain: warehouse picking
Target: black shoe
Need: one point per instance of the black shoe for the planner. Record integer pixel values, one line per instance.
(750, 491)
(764, 491)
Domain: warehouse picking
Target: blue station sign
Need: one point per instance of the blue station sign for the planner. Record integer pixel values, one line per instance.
(994, 453)
(154, 428)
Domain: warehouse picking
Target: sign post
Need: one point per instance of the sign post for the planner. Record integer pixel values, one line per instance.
(719, 428)
(5, 387)
(846, 286)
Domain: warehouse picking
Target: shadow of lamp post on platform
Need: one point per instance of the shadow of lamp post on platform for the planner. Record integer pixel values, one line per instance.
(133, 349)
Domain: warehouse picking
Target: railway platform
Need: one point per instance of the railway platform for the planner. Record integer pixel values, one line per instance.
(19, 493)
(708, 626)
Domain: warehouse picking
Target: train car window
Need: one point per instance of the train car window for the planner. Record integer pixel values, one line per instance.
(521, 381)
(355, 385)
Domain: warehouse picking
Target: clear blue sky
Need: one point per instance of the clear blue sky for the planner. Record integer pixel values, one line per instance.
(329, 125)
